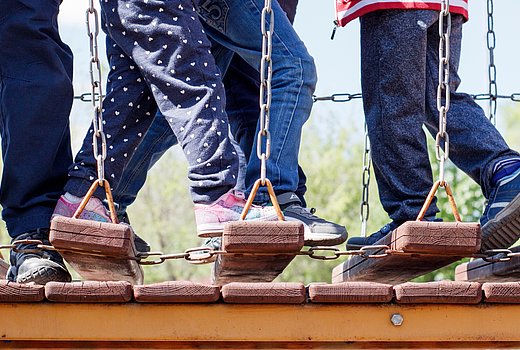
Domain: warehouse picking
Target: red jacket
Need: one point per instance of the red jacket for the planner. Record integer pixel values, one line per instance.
(347, 10)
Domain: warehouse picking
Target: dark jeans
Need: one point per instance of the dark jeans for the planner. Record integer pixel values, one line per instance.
(399, 63)
(242, 85)
(35, 101)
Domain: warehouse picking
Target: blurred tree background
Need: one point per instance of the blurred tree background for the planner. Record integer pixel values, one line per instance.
(331, 154)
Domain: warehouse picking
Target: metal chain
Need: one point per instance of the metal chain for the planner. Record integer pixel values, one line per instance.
(344, 97)
(201, 255)
(92, 20)
(365, 205)
(492, 69)
(266, 74)
(443, 89)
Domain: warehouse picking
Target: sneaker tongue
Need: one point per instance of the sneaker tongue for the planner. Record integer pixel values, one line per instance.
(285, 199)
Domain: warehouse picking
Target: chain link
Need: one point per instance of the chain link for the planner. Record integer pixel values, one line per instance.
(364, 212)
(492, 69)
(92, 20)
(343, 97)
(266, 74)
(443, 89)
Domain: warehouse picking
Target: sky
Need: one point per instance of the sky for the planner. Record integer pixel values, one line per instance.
(338, 60)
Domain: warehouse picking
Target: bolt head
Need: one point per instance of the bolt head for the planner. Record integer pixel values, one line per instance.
(397, 319)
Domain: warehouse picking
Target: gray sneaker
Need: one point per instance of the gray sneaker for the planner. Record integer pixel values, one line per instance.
(36, 267)
(318, 231)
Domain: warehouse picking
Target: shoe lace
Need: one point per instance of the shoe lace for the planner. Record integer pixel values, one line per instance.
(303, 211)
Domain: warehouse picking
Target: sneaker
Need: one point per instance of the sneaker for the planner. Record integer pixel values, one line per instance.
(94, 210)
(317, 231)
(356, 243)
(210, 218)
(500, 222)
(38, 267)
(140, 244)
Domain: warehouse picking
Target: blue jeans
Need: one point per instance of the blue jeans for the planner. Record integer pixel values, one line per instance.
(35, 101)
(399, 62)
(241, 83)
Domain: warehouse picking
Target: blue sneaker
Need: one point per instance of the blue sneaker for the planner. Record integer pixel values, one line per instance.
(356, 243)
(500, 222)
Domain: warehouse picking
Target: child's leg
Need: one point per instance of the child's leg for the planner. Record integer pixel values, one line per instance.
(129, 109)
(393, 64)
(478, 149)
(294, 79)
(167, 42)
(475, 144)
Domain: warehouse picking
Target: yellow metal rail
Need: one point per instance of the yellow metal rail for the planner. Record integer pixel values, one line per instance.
(135, 325)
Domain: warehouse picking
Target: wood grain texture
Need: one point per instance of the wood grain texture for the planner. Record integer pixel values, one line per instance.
(455, 238)
(263, 236)
(11, 292)
(506, 293)
(410, 255)
(4, 267)
(89, 292)
(480, 270)
(444, 292)
(176, 292)
(277, 241)
(351, 292)
(98, 251)
(263, 293)
(115, 240)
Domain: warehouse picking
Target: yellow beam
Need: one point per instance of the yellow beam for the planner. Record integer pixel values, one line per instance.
(189, 323)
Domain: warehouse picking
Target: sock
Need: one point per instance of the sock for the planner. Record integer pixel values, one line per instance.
(72, 198)
(504, 168)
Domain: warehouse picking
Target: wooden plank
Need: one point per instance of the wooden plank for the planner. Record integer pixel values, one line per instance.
(447, 238)
(98, 251)
(506, 293)
(414, 251)
(176, 292)
(11, 292)
(444, 292)
(351, 292)
(89, 292)
(263, 293)
(480, 270)
(277, 242)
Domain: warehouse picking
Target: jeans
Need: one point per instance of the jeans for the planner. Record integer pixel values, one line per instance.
(162, 43)
(241, 82)
(35, 101)
(399, 63)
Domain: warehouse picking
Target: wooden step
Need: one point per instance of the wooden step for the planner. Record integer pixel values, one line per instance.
(11, 292)
(480, 270)
(416, 248)
(98, 251)
(263, 293)
(505, 293)
(350, 292)
(89, 292)
(444, 292)
(176, 292)
(258, 251)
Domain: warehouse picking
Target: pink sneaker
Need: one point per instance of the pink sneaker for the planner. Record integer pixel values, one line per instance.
(95, 210)
(211, 218)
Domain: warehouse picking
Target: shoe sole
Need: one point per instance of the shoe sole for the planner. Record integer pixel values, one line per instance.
(44, 274)
(504, 229)
(216, 230)
(324, 239)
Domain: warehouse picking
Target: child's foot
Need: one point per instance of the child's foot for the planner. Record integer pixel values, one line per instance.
(94, 210)
(500, 221)
(211, 218)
